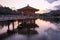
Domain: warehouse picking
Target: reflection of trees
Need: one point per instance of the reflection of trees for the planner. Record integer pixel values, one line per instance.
(6, 23)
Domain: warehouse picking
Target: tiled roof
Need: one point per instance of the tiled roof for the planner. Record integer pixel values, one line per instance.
(28, 7)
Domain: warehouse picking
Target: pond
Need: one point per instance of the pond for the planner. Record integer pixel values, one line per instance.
(46, 31)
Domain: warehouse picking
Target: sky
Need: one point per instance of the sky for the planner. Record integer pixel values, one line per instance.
(42, 5)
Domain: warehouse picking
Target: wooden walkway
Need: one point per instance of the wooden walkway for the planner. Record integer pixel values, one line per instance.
(18, 17)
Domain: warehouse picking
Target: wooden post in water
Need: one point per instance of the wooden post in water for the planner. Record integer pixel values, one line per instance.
(8, 26)
(2, 25)
(13, 25)
(18, 22)
(33, 23)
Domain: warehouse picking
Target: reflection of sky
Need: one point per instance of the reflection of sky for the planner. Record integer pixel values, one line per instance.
(43, 25)
(39, 4)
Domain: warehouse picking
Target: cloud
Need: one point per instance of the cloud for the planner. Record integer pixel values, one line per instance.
(47, 10)
(51, 1)
(57, 7)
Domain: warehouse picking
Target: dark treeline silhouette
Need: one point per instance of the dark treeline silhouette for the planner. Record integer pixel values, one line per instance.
(7, 11)
(55, 13)
(53, 16)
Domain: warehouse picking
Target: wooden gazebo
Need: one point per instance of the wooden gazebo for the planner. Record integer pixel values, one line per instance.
(28, 10)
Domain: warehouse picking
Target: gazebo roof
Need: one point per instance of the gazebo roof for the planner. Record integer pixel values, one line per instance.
(28, 7)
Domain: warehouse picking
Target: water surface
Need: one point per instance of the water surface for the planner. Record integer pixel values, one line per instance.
(45, 31)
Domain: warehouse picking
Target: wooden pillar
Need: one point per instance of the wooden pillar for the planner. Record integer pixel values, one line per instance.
(8, 26)
(23, 21)
(18, 22)
(34, 21)
(2, 25)
(13, 25)
(34, 24)
(30, 21)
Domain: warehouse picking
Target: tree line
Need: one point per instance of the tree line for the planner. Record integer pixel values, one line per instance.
(7, 11)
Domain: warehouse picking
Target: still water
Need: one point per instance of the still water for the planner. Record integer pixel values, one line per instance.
(46, 31)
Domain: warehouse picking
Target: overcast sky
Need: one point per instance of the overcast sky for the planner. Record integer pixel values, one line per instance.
(43, 5)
